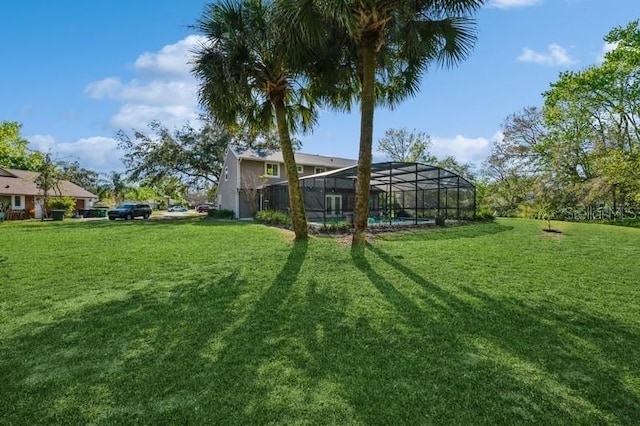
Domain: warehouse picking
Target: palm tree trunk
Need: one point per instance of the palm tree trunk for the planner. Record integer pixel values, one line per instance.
(296, 203)
(367, 104)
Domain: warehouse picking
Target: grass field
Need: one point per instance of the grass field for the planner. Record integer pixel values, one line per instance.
(200, 322)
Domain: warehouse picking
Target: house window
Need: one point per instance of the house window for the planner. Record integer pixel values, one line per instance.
(17, 201)
(321, 169)
(226, 174)
(300, 169)
(272, 170)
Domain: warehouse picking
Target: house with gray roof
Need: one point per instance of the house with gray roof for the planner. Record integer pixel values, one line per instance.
(19, 194)
(246, 171)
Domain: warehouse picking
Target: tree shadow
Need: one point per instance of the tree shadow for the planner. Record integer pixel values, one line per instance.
(188, 355)
(305, 347)
(581, 361)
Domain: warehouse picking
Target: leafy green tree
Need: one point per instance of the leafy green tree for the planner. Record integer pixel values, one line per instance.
(464, 170)
(85, 178)
(171, 187)
(47, 182)
(386, 45)
(141, 193)
(516, 160)
(248, 71)
(194, 155)
(115, 186)
(14, 149)
(594, 118)
(405, 145)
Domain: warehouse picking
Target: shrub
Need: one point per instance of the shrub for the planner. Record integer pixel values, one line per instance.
(527, 211)
(336, 228)
(484, 214)
(272, 217)
(67, 204)
(220, 214)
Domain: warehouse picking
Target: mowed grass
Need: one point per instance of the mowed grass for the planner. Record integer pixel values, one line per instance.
(199, 322)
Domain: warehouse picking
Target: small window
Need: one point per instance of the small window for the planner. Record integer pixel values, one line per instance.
(321, 169)
(17, 201)
(226, 174)
(300, 169)
(272, 170)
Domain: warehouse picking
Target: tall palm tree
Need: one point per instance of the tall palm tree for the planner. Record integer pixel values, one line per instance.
(388, 46)
(249, 77)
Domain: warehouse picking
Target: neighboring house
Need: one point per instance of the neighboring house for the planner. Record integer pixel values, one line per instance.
(20, 193)
(245, 171)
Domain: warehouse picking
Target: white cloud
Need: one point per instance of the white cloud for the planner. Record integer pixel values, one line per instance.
(156, 92)
(106, 88)
(171, 59)
(163, 89)
(555, 55)
(464, 149)
(510, 4)
(97, 153)
(606, 48)
(133, 116)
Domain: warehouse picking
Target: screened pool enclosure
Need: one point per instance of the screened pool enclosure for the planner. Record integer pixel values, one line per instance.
(409, 193)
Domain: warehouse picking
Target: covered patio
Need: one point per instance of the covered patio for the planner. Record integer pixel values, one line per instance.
(401, 193)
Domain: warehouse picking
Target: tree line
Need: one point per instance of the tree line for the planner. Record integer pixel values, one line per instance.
(581, 148)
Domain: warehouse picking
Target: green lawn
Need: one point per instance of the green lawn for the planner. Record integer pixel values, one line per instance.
(199, 322)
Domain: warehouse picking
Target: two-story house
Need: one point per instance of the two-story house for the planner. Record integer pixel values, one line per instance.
(245, 171)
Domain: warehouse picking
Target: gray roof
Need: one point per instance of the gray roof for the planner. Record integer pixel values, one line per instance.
(301, 158)
(22, 182)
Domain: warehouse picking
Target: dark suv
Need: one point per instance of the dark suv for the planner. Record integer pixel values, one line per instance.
(203, 208)
(128, 211)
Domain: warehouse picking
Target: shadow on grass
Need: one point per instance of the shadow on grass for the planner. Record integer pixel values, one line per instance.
(582, 365)
(301, 350)
(184, 357)
(470, 230)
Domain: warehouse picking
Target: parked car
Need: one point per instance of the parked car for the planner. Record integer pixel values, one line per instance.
(177, 209)
(203, 208)
(129, 211)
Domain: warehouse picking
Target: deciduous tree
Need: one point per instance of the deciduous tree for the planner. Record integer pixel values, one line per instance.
(14, 149)
(405, 145)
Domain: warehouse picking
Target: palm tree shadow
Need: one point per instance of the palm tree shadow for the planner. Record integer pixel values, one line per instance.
(506, 324)
(256, 343)
(152, 357)
(143, 344)
(388, 290)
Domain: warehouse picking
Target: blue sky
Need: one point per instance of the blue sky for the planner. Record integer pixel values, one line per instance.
(74, 72)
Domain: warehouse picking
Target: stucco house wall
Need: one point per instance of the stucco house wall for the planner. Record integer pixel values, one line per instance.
(246, 170)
